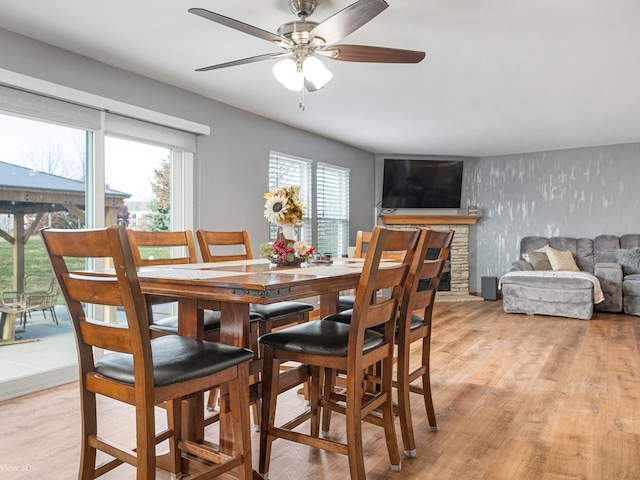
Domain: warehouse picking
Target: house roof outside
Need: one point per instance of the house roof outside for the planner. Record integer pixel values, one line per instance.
(23, 178)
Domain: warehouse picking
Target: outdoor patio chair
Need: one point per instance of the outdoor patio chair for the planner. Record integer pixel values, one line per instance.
(40, 293)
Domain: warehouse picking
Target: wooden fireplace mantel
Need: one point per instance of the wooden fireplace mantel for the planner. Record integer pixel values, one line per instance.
(429, 219)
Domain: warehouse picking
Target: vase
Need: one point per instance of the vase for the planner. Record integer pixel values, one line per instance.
(287, 232)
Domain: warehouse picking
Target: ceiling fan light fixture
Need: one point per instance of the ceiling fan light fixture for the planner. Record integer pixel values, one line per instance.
(315, 72)
(286, 72)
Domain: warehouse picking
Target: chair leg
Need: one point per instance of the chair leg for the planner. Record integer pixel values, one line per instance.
(426, 382)
(387, 414)
(213, 399)
(145, 440)
(404, 404)
(256, 408)
(239, 398)
(354, 427)
(89, 429)
(329, 386)
(53, 314)
(269, 399)
(174, 421)
(315, 384)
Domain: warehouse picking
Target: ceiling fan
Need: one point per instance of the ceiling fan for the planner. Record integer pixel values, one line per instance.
(303, 41)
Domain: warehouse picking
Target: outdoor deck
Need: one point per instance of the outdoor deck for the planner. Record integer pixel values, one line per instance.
(49, 360)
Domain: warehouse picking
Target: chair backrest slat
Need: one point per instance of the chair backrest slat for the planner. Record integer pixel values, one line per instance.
(363, 239)
(224, 246)
(143, 240)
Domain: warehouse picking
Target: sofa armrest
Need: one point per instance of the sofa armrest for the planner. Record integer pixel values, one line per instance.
(610, 277)
(521, 266)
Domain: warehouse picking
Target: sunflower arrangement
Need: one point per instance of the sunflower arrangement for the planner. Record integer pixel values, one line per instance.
(283, 206)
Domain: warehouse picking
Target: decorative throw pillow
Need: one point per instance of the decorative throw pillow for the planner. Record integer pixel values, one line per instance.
(561, 259)
(629, 259)
(539, 260)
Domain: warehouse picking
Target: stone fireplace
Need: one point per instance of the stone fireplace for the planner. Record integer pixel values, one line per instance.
(459, 255)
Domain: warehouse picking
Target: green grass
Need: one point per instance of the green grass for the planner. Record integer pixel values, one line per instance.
(36, 260)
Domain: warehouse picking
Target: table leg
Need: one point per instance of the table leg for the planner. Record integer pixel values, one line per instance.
(232, 332)
(329, 304)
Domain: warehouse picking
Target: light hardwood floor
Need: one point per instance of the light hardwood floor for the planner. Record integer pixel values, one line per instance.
(516, 396)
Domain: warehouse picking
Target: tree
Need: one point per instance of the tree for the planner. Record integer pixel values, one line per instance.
(159, 220)
(51, 156)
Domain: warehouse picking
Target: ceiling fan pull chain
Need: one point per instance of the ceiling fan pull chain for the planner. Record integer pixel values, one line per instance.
(301, 102)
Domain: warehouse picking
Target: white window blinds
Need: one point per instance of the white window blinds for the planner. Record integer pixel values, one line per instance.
(49, 109)
(138, 130)
(333, 209)
(285, 170)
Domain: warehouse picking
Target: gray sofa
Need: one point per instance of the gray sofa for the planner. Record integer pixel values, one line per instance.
(573, 297)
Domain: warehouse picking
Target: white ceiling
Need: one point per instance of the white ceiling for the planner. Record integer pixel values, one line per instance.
(500, 76)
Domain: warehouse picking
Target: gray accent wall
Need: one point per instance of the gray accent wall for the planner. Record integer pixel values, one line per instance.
(231, 164)
(582, 192)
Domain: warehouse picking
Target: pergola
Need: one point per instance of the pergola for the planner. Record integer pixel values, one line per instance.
(26, 192)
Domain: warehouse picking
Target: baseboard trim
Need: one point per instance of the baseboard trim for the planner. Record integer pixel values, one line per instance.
(39, 381)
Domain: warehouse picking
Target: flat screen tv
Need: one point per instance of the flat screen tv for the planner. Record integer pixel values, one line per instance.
(421, 183)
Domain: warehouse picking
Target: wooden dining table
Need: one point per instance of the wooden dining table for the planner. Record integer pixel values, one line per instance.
(230, 287)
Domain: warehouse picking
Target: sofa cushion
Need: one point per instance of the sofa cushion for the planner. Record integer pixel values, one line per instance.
(561, 260)
(631, 285)
(630, 240)
(538, 260)
(629, 259)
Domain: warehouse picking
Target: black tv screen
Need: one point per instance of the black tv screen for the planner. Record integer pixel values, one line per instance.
(421, 183)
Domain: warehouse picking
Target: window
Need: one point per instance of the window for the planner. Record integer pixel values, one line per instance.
(287, 170)
(332, 186)
(330, 233)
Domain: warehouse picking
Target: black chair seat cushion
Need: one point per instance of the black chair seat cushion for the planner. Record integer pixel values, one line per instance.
(345, 317)
(211, 322)
(319, 338)
(346, 301)
(175, 359)
(280, 309)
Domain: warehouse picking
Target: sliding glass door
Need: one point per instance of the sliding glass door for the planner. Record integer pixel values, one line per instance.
(65, 177)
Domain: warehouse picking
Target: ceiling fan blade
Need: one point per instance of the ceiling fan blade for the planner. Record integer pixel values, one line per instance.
(348, 20)
(240, 26)
(363, 53)
(257, 58)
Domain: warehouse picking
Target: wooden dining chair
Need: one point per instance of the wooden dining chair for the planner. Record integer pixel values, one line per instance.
(230, 246)
(325, 347)
(182, 245)
(141, 243)
(139, 370)
(419, 295)
(421, 286)
(363, 239)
